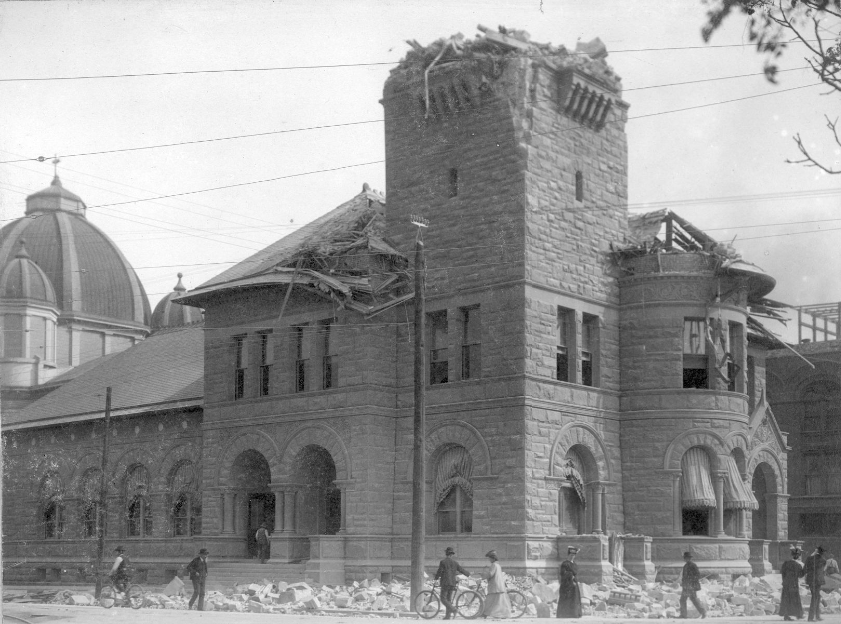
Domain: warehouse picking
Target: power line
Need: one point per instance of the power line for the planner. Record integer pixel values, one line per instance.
(379, 162)
(340, 125)
(343, 65)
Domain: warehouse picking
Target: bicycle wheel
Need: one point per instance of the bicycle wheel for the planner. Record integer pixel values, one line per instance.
(134, 595)
(427, 604)
(519, 602)
(107, 597)
(469, 604)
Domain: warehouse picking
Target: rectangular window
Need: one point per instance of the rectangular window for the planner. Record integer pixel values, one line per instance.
(812, 524)
(832, 468)
(813, 474)
(579, 186)
(695, 374)
(302, 355)
(589, 350)
(13, 335)
(453, 183)
(240, 364)
(566, 342)
(329, 364)
(471, 347)
(438, 363)
(266, 361)
(751, 375)
(736, 338)
(812, 416)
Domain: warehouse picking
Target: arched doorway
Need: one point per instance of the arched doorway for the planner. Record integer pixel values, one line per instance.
(578, 512)
(759, 519)
(251, 476)
(321, 500)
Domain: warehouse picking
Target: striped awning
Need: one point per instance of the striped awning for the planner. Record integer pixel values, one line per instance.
(737, 494)
(696, 488)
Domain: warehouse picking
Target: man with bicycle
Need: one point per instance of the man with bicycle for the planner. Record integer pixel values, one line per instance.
(120, 571)
(447, 570)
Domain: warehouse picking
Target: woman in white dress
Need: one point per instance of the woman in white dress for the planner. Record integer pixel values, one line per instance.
(497, 604)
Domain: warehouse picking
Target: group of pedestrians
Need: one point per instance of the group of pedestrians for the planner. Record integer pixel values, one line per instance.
(815, 570)
(497, 603)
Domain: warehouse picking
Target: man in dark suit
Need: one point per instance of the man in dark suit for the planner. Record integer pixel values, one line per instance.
(815, 577)
(198, 574)
(447, 570)
(690, 584)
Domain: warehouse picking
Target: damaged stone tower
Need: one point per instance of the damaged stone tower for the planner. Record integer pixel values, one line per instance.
(516, 153)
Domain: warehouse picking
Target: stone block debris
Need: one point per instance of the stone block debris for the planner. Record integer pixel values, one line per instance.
(744, 595)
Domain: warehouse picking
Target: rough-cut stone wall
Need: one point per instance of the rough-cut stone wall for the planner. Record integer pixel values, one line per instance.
(158, 442)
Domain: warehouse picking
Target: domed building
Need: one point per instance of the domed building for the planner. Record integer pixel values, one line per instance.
(69, 296)
(168, 315)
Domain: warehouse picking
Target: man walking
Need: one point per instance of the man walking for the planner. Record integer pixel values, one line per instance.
(447, 570)
(815, 577)
(198, 574)
(690, 583)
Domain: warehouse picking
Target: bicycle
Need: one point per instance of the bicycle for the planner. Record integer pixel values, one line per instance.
(110, 595)
(518, 600)
(468, 603)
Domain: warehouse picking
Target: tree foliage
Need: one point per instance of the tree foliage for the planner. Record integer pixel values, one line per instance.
(775, 24)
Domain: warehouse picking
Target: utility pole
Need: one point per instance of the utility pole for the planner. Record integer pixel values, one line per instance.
(419, 465)
(2, 474)
(103, 496)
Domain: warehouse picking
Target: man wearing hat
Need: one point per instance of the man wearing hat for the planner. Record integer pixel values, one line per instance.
(447, 570)
(690, 584)
(198, 574)
(262, 537)
(120, 571)
(815, 577)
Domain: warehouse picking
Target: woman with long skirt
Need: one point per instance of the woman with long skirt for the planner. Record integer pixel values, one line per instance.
(569, 596)
(497, 604)
(791, 571)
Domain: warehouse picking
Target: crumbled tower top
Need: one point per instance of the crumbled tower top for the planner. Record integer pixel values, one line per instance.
(507, 43)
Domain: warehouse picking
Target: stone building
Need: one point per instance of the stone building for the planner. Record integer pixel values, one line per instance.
(592, 378)
(804, 388)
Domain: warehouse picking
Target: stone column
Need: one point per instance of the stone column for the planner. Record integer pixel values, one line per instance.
(677, 507)
(343, 489)
(227, 511)
(718, 483)
(241, 513)
(289, 524)
(596, 495)
(742, 531)
(278, 508)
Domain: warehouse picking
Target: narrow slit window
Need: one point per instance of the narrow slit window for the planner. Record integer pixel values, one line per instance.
(579, 186)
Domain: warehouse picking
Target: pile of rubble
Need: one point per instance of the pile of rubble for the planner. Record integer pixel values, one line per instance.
(622, 599)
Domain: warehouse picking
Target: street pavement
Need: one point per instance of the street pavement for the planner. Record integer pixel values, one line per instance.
(97, 615)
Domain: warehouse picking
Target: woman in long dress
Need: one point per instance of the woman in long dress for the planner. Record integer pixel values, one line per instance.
(791, 571)
(497, 604)
(569, 596)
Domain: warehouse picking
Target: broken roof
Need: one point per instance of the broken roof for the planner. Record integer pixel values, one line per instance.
(165, 371)
(341, 255)
(503, 42)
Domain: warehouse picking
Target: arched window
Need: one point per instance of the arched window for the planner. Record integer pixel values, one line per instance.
(89, 495)
(697, 493)
(454, 491)
(138, 506)
(185, 516)
(52, 508)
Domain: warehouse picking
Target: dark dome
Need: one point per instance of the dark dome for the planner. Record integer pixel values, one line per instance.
(23, 279)
(167, 314)
(90, 275)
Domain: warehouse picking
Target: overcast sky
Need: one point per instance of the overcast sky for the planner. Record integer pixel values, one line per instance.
(684, 160)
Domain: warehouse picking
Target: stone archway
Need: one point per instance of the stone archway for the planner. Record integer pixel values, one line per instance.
(764, 519)
(320, 499)
(254, 502)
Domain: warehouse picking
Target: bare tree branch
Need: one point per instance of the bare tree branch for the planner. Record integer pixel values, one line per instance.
(808, 160)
